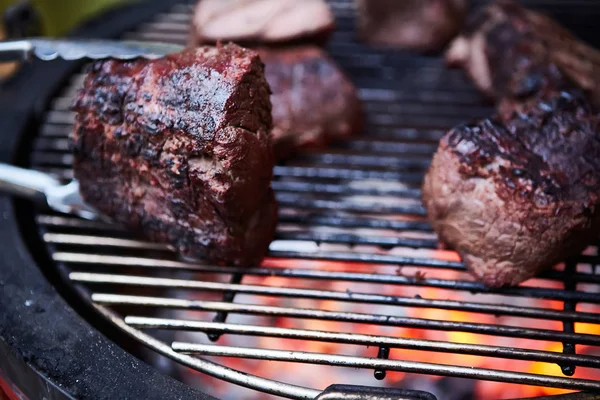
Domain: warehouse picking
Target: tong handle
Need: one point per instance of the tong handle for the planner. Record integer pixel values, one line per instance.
(15, 50)
(25, 183)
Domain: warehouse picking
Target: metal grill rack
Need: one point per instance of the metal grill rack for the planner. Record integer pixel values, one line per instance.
(351, 215)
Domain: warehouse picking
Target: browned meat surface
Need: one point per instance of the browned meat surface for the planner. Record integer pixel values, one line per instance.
(261, 21)
(314, 103)
(421, 25)
(518, 194)
(504, 45)
(179, 149)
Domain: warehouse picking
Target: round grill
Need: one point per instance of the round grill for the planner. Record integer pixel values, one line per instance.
(354, 277)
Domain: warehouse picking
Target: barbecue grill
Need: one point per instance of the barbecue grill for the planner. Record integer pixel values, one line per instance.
(354, 264)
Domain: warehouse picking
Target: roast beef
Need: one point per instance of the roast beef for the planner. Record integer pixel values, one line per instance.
(518, 193)
(504, 43)
(420, 25)
(178, 149)
(261, 21)
(314, 103)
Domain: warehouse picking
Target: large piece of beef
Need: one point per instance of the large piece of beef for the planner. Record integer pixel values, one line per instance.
(420, 25)
(504, 43)
(252, 22)
(314, 103)
(178, 149)
(518, 192)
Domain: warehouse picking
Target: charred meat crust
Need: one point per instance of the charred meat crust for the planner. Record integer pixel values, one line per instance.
(179, 149)
(314, 103)
(505, 48)
(517, 194)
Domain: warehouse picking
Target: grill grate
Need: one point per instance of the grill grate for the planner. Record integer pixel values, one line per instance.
(353, 247)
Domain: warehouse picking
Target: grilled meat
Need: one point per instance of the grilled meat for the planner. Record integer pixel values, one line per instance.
(504, 46)
(313, 101)
(421, 25)
(179, 149)
(518, 193)
(261, 21)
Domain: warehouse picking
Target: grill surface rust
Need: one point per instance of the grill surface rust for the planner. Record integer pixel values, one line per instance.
(352, 246)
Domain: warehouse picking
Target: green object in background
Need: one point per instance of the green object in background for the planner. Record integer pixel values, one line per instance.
(60, 16)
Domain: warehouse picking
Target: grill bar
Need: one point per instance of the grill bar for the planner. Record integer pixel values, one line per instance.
(310, 220)
(110, 299)
(140, 281)
(82, 258)
(568, 327)
(212, 369)
(228, 297)
(389, 365)
(358, 339)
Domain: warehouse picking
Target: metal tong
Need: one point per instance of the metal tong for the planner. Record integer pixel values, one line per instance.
(51, 49)
(45, 190)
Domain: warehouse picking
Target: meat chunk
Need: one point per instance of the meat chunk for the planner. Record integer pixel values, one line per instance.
(314, 103)
(179, 149)
(504, 46)
(420, 25)
(261, 21)
(518, 193)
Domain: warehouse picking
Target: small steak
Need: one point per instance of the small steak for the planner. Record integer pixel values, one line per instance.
(421, 25)
(179, 149)
(504, 46)
(314, 103)
(518, 193)
(261, 21)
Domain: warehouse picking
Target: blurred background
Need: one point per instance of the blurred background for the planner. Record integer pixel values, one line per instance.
(22, 18)
(50, 17)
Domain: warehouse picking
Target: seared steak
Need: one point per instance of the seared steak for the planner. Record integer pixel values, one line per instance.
(261, 21)
(517, 194)
(421, 25)
(313, 101)
(504, 45)
(179, 149)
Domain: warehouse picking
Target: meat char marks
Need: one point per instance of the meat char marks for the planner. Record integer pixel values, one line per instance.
(518, 192)
(420, 25)
(252, 22)
(179, 149)
(506, 49)
(314, 103)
